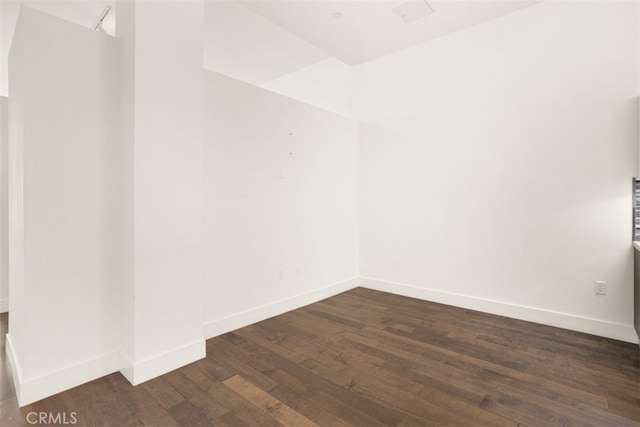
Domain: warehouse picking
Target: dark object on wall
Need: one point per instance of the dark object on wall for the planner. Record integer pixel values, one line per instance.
(636, 256)
(636, 291)
(636, 209)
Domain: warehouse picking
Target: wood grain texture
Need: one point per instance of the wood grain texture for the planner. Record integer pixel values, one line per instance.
(367, 358)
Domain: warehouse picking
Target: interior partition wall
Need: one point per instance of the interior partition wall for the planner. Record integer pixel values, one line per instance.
(280, 193)
(105, 197)
(64, 205)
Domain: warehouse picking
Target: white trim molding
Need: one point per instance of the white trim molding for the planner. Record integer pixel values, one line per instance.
(154, 366)
(4, 305)
(223, 325)
(29, 390)
(14, 365)
(603, 328)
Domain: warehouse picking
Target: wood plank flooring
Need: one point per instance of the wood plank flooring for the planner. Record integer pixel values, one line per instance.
(366, 358)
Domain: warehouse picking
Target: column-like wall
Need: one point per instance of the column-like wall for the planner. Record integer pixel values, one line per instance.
(64, 214)
(162, 90)
(105, 197)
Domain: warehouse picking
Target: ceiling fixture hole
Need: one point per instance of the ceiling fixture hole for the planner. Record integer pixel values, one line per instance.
(413, 10)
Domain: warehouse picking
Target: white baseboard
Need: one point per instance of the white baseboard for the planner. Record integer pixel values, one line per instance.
(33, 389)
(125, 363)
(223, 325)
(603, 328)
(4, 305)
(152, 367)
(14, 364)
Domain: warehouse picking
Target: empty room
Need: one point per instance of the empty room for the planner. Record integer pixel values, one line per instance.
(319, 213)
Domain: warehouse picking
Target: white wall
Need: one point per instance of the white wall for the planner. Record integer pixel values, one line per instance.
(328, 84)
(280, 204)
(162, 135)
(64, 218)
(496, 166)
(4, 205)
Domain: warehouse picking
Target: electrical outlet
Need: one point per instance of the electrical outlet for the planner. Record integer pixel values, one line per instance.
(600, 287)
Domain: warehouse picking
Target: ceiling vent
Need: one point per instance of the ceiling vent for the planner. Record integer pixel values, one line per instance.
(413, 10)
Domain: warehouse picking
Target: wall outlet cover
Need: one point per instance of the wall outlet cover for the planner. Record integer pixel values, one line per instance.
(600, 287)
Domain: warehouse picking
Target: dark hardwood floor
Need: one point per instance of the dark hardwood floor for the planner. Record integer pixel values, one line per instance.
(366, 358)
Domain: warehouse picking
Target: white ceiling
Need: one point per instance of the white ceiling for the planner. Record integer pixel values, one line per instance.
(261, 40)
(244, 45)
(369, 29)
